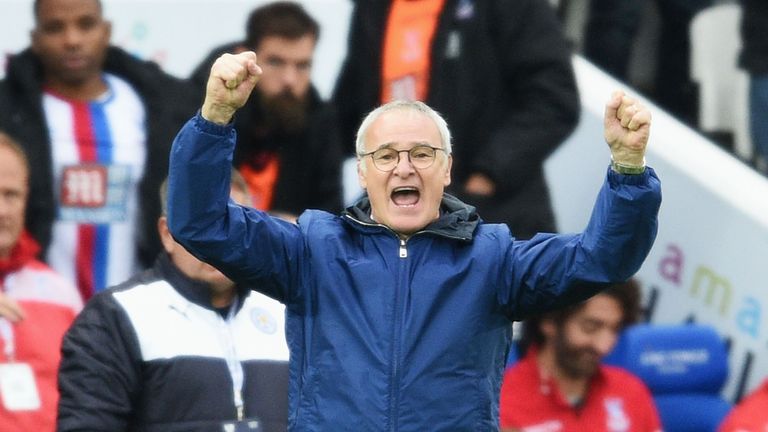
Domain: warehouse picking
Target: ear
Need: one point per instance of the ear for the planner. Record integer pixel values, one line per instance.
(361, 175)
(165, 234)
(34, 40)
(449, 165)
(108, 30)
(548, 328)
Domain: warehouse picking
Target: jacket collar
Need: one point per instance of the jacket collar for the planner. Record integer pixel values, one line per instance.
(24, 252)
(194, 291)
(457, 220)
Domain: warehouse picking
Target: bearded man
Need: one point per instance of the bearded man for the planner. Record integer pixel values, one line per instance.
(288, 147)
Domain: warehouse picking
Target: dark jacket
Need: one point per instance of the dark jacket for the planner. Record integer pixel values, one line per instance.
(388, 334)
(310, 162)
(754, 55)
(167, 102)
(503, 80)
(150, 355)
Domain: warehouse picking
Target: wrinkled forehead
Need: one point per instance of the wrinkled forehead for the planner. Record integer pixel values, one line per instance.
(402, 129)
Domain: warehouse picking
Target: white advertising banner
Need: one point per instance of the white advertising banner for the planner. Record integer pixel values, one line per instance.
(710, 260)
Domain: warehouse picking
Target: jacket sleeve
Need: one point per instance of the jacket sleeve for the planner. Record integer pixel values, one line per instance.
(99, 375)
(544, 103)
(550, 271)
(247, 245)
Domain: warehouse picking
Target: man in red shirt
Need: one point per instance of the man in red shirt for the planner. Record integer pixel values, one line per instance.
(561, 385)
(750, 414)
(37, 306)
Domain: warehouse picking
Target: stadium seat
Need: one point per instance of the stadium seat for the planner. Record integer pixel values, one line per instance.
(723, 87)
(514, 354)
(684, 366)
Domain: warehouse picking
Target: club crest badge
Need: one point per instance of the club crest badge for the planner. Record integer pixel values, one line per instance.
(263, 320)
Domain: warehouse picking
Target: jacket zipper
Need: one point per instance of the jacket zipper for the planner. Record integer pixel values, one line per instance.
(240, 408)
(402, 284)
(394, 394)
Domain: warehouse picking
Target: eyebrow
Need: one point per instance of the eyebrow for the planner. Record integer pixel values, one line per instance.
(392, 144)
(600, 322)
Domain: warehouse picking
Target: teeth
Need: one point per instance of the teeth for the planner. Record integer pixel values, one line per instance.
(407, 188)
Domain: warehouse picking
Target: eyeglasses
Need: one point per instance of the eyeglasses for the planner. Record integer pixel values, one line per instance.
(386, 159)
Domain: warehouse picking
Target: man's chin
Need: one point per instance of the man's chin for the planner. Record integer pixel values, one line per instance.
(285, 113)
(7, 242)
(408, 223)
(583, 369)
(75, 77)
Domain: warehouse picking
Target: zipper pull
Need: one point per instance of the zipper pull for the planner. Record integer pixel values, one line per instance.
(403, 250)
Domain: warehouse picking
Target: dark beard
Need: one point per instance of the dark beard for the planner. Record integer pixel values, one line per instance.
(283, 114)
(574, 361)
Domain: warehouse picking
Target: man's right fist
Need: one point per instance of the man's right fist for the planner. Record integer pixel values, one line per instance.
(627, 128)
(232, 79)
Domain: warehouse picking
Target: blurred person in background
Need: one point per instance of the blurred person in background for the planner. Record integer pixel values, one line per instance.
(560, 383)
(178, 348)
(610, 35)
(96, 124)
(754, 59)
(499, 72)
(288, 147)
(36, 308)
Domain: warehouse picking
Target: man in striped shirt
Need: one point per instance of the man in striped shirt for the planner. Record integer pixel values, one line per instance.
(96, 124)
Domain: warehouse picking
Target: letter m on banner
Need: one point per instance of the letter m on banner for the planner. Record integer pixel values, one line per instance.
(715, 286)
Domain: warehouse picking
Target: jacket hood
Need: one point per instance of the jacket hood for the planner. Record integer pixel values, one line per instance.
(26, 71)
(457, 219)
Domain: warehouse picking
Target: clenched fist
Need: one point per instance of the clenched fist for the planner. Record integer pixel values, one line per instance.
(232, 79)
(627, 127)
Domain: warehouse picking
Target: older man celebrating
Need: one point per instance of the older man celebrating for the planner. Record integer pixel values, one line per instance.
(399, 308)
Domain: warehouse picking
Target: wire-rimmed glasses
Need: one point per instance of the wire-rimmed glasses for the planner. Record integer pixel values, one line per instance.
(421, 156)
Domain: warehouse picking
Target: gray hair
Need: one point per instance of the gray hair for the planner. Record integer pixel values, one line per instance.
(442, 126)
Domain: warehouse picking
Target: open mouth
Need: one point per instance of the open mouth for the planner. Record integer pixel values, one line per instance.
(406, 196)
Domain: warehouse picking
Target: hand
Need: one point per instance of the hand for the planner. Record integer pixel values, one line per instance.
(9, 309)
(232, 79)
(627, 127)
(480, 184)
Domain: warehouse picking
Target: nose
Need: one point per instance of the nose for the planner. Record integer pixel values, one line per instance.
(404, 166)
(604, 342)
(290, 78)
(73, 36)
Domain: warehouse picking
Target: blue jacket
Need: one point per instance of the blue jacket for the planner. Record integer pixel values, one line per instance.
(399, 335)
